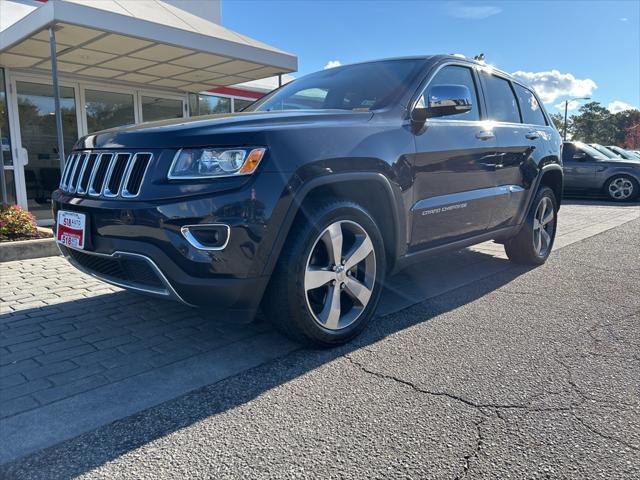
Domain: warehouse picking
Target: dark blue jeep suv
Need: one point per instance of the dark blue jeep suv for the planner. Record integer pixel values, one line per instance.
(304, 202)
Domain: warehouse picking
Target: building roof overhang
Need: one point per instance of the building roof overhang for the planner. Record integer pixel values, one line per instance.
(150, 43)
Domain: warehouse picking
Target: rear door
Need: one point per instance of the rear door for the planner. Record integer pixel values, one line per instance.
(453, 168)
(521, 132)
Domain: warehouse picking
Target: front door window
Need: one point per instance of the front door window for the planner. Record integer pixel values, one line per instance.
(36, 113)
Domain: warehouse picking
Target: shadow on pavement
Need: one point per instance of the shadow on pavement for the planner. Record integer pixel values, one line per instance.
(99, 446)
(600, 200)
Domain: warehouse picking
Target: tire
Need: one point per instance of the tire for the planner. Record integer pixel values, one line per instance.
(621, 188)
(301, 300)
(533, 243)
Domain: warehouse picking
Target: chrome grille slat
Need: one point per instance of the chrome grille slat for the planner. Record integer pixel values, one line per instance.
(118, 166)
(73, 179)
(67, 171)
(85, 174)
(110, 174)
(131, 186)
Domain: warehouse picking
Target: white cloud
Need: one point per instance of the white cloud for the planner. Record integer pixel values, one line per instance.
(624, 19)
(573, 104)
(332, 64)
(553, 84)
(619, 106)
(472, 12)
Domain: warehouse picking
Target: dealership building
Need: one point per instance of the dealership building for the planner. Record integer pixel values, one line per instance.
(116, 62)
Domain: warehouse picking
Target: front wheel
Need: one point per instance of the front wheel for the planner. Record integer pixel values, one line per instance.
(328, 280)
(621, 188)
(533, 244)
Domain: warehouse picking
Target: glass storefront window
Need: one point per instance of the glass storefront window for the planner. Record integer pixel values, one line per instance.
(200, 104)
(108, 109)
(5, 145)
(36, 114)
(158, 108)
(239, 104)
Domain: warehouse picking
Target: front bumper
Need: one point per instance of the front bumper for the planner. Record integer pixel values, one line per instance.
(141, 245)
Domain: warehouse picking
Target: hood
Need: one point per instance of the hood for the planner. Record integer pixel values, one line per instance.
(212, 129)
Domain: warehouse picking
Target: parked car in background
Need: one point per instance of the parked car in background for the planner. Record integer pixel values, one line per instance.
(623, 153)
(587, 170)
(605, 151)
(309, 197)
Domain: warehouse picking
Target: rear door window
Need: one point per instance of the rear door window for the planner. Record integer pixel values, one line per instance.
(502, 104)
(529, 106)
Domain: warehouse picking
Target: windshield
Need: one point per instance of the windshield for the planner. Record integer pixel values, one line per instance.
(623, 153)
(362, 87)
(605, 151)
(592, 152)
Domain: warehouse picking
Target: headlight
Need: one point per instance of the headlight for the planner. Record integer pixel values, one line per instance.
(196, 163)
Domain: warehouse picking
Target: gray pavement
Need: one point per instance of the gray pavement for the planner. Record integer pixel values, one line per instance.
(465, 352)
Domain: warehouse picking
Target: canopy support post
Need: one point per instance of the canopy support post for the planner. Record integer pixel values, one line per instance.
(56, 95)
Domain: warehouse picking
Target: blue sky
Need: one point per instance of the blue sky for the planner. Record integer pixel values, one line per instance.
(564, 48)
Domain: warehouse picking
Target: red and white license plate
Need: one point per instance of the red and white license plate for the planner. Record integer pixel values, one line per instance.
(71, 229)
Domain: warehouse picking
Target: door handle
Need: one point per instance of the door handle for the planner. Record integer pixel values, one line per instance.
(485, 135)
(532, 135)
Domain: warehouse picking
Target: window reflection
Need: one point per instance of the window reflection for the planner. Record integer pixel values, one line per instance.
(108, 109)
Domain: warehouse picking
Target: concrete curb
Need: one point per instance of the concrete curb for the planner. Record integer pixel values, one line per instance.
(27, 249)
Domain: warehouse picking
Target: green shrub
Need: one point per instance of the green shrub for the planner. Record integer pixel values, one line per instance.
(16, 222)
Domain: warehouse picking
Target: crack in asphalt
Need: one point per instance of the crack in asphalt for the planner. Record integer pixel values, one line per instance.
(496, 408)
(480, 407)
(474, 455)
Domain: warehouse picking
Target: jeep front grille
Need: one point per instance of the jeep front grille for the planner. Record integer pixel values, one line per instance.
(106, 174)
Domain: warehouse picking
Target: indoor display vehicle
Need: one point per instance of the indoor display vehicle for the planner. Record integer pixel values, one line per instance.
(306, 201)
(587, 170)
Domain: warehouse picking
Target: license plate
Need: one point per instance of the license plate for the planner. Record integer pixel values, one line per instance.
(71, 229)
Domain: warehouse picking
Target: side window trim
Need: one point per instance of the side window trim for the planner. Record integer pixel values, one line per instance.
(547, 120)
(424, 85)
(515, 95)
(513, 92)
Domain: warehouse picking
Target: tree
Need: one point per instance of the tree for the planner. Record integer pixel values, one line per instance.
(558, 121)
(593, 124)
(626, 125)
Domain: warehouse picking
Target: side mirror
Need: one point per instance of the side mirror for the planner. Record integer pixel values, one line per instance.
(446, 100)
(580, 156)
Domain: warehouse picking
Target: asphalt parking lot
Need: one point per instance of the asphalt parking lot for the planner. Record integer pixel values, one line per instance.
(474, 368)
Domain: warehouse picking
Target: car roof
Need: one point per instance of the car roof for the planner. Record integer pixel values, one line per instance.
(441, 58)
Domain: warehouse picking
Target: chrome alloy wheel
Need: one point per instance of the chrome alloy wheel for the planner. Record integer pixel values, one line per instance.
(543, 225)
(621, 188)
(340, 275)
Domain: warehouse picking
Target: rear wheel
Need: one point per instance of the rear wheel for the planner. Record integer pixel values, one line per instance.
(533, 243)
(327, 283)
(621, 188)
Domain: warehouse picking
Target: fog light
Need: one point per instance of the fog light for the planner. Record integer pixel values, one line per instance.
(214, 236)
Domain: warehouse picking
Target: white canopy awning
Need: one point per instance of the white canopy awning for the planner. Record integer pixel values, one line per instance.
(147, 42)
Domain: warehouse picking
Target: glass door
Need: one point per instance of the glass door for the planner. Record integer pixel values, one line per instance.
(6, 155)
(37, 133)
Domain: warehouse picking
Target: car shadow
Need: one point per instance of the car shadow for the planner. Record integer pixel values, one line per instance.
(90, 450)
(595, 199)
